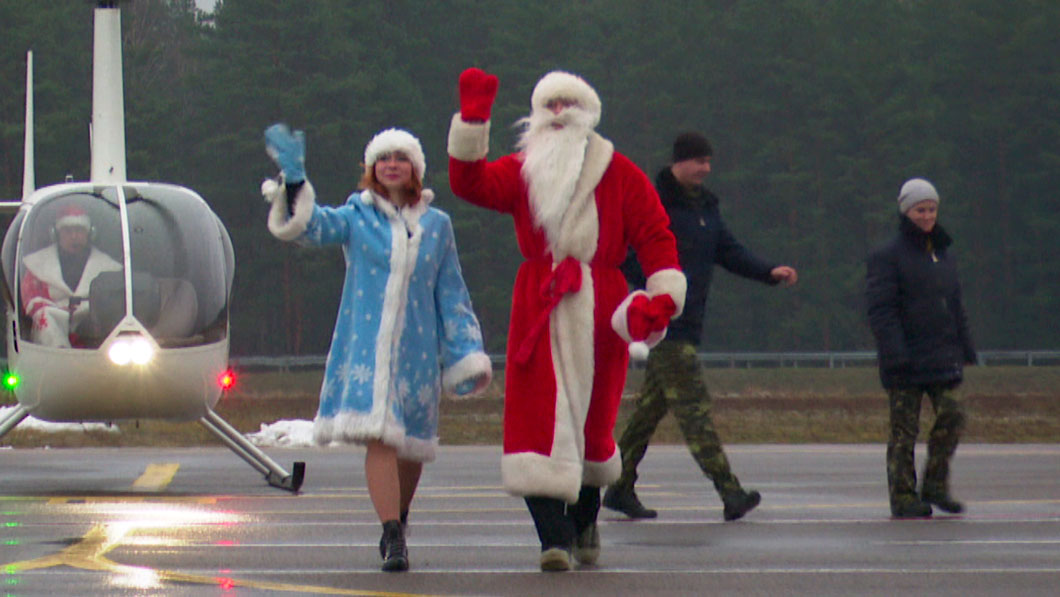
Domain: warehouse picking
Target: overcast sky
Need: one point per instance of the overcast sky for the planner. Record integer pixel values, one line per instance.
(206, 5)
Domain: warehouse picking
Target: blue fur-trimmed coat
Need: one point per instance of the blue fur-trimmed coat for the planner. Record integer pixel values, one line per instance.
(405, 325)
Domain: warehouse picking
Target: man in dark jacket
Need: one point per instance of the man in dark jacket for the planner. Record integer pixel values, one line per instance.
(673, 379)
(922, 341)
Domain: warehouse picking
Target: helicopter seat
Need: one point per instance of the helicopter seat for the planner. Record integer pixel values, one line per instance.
(178, 313)
(106, 302)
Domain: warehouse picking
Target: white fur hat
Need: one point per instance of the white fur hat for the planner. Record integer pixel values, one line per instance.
(396, 140)
(566, 85)
(916, 190)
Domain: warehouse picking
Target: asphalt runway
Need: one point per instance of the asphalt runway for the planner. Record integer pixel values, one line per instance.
(201, 522)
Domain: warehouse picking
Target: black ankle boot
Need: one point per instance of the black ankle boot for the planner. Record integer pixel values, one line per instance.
(395, 553)
(626, 502)
(404, 529)
(739, 503)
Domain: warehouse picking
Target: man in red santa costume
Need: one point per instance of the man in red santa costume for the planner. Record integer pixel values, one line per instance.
(577, 205)
(55, 286)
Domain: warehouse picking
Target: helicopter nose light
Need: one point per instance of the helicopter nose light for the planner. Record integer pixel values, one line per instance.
(130, 349)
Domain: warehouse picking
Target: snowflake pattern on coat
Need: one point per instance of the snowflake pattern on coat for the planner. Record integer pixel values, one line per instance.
(405, 324)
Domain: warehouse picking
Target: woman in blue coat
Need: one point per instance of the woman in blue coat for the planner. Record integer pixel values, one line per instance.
(923, 343)
(405, 327)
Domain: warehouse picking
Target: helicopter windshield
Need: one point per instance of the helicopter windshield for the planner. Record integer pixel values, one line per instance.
(71, 286)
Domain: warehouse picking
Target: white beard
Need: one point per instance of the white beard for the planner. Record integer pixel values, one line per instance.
(552, 163)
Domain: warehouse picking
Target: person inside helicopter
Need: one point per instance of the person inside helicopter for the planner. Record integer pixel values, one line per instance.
(57, 278)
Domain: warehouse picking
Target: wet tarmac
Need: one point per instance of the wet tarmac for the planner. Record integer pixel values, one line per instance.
(201, 522)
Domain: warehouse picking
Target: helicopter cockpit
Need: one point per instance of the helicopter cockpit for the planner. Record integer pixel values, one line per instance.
(156, 246)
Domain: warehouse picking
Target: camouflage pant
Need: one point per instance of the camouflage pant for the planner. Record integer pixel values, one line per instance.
(673, 380)
(942, 441)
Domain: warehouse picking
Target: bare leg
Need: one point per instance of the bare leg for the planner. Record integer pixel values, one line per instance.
(384, 487)
(408, 478)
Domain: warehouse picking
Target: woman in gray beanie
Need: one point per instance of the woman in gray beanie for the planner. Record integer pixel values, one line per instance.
(922, 342)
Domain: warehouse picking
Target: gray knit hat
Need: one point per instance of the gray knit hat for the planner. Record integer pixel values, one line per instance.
(914, 191)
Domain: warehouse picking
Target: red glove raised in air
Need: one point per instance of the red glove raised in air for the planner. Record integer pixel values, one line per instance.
(477, 92)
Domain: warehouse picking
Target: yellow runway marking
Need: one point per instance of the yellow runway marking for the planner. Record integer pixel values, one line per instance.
(156, 477)
(90, 552)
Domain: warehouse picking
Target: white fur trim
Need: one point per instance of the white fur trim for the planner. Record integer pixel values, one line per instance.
(669, 281)
(530, 474)
(280, 225)
(566, 85)
(396, 140)
(638, 348)
(80, 220)
(359, 428)
(468, 141)
(270, 189)
(476, 364)
(602, 474)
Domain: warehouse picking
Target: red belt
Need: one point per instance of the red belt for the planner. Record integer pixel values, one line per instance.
(564, 279)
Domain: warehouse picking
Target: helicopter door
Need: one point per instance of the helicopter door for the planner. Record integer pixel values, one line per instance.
(184, 258)
(67, 240)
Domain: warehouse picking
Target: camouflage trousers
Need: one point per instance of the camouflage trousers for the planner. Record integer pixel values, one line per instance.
(942, 441)
(673, 381)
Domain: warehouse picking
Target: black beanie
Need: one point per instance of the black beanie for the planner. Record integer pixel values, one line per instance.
(691, 145)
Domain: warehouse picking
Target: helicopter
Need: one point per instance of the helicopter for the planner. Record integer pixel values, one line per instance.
(144, 332)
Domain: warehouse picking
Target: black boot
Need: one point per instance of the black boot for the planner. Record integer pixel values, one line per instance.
(943, 501)
(626, 502)
(911, 508)
(739, 503)
(396, 554)
(404, 529)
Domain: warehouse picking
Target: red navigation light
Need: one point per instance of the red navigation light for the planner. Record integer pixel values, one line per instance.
(227, 380)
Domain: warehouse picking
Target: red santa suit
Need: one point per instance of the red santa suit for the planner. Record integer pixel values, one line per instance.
(566, 367)
(46, 296)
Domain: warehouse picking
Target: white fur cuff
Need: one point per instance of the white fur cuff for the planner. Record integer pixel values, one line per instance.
(280, 225)
(474, 365)
(468, 141)
(638, 349)
(672, 282)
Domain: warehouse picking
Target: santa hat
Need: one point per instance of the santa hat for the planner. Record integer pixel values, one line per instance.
(396, 140)
(559, 84)
(73, 215)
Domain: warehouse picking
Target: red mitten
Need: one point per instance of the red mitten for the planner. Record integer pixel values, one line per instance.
(477, 92)
(649, 315)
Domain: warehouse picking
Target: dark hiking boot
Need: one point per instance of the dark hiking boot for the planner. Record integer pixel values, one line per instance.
(626, 502)
(587, 545)
(943, 501)
(739, 503)
(395, 553)
(911, 509)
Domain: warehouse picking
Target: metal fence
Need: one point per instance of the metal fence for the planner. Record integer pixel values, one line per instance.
(743, 360)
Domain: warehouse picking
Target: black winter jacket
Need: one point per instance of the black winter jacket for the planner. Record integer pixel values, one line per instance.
(703, 240)
(915, 309)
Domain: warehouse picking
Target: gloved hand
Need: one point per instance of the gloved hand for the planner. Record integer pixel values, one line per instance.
(467, 386)
(287, 149)
(646, 316)
(477, 92)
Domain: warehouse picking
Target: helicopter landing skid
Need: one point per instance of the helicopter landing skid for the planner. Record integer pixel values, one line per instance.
(275, 475)
(12, 418)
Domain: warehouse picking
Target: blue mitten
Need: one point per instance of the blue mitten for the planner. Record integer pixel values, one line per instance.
(287, 149)
(467, 386)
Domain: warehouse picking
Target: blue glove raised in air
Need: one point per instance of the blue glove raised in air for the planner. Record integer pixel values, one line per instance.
(287, 149)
